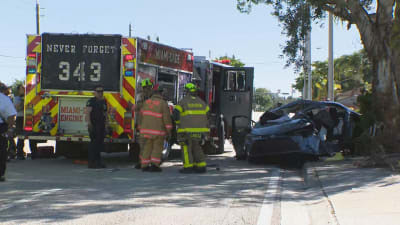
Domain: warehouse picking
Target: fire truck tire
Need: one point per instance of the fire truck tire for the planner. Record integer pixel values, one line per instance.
(221, 139)
(134, 150)
(72, 150)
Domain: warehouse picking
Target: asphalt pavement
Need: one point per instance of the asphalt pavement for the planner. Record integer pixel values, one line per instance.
(58, 191)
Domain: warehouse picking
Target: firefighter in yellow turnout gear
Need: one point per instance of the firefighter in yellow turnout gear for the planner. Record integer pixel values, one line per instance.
(154, 124)
(191, 116)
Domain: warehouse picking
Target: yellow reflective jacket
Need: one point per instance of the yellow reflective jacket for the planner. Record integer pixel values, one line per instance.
(155, 118)
(192, 116)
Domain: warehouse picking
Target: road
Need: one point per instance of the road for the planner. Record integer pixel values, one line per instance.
(57, 191)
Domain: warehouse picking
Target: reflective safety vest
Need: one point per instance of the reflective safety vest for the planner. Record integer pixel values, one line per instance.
(192, 115)
(155, 118)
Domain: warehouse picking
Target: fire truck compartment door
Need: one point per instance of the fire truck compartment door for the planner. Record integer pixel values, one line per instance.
(72, 118)
(236, 95)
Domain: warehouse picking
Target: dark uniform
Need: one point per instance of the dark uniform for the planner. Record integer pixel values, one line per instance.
(97, 130)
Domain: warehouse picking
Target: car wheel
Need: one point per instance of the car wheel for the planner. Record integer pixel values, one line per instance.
(250, 159)
(240, 156)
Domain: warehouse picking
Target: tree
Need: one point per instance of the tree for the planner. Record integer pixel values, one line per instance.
(378, 23)
(262, 100)
(351, 71)
(15, 84)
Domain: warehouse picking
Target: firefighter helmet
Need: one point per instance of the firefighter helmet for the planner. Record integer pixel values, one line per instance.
(147, 82)
(191, 87)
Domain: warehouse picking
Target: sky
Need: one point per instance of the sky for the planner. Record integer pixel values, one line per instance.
(205, 26)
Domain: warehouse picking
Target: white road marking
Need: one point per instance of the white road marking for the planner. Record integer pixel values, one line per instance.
(31, 198)
(266, 211)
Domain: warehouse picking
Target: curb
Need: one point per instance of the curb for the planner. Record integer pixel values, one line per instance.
(311, 180)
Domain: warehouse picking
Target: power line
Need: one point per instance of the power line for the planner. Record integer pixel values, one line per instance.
(9, 56)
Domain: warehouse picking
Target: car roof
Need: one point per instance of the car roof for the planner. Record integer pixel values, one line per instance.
(310, 103)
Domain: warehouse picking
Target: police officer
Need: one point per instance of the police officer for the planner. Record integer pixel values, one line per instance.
(96, 109)
(191, 116)
(147, 87)
(7, 120)
(155, 123)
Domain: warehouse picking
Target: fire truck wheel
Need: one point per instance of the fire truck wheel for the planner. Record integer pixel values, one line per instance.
(134, 150)
(221, 139)
(166, 150)
(71, 150)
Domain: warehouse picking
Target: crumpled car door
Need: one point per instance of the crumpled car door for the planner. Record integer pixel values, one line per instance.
(241, 126)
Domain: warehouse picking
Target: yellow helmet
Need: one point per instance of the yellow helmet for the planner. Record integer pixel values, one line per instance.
(146, 82)
(191, 87)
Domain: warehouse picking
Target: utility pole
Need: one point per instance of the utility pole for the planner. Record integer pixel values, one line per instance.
(308, 46)
(130, 29)
(331, 81)
(307, 68)
(307, 93)
(37, 18)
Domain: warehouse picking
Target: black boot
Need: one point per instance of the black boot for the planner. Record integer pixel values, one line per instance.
(154, 168)
(200, 169)
(146, 169)
(186, 170)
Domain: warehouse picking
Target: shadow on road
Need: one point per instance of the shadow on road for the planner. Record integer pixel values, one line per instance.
(57, 189)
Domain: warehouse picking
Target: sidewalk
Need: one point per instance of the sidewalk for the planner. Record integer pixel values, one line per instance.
(362, 196)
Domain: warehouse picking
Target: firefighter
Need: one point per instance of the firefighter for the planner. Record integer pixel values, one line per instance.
(97, 115)
(155, 123)
(147, 87)
(191, 116)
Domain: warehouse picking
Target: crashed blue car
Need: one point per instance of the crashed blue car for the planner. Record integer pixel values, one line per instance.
(304, 127)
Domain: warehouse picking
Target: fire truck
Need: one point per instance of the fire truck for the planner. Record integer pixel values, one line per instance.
(62, 71)
(228, 91)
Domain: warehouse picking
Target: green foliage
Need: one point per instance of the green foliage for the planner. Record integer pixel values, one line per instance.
(264, 99)
(350, 71)
(295, 17)
(234, 61)
(368, 116)
(15, 84)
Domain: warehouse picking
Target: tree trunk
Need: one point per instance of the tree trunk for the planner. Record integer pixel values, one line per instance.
(386, 93)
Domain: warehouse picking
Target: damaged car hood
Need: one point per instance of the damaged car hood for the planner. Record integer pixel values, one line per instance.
(280, 128)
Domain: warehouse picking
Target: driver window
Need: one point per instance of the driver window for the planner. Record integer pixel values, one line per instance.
(235, 81)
